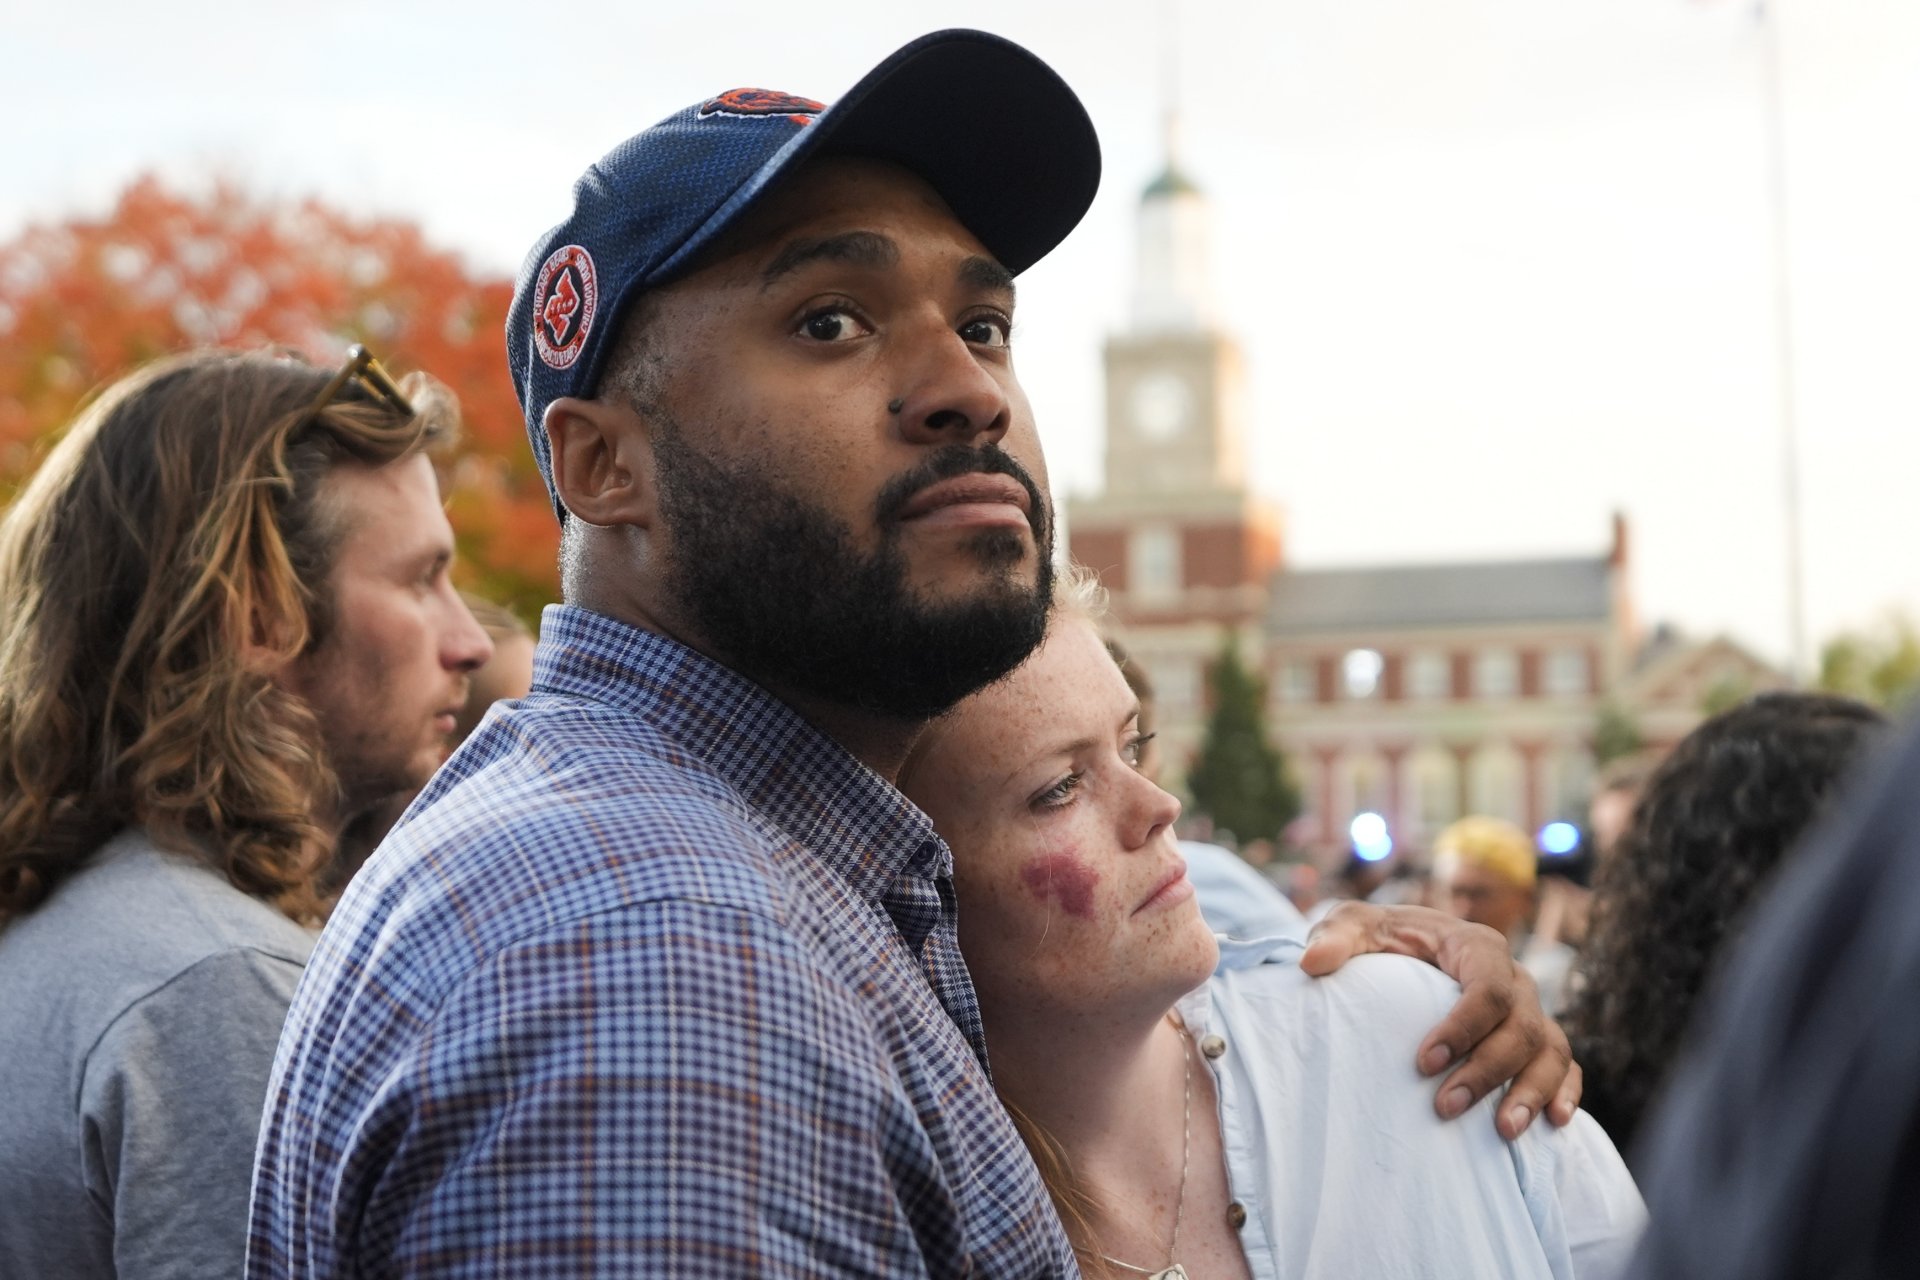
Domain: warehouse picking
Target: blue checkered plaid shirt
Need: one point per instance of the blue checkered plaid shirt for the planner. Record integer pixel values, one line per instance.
(653, 980)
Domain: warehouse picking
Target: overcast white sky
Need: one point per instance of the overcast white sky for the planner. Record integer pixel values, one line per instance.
(1500, 266)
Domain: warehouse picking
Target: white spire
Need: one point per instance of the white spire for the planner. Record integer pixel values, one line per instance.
(1171, 289)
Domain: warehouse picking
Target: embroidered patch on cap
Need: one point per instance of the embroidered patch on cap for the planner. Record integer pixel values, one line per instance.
(564, 300)
(763, 102)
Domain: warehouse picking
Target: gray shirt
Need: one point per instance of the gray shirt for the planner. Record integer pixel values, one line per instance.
(139, 1010)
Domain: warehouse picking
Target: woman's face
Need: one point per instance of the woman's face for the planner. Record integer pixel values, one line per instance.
(1073, 895)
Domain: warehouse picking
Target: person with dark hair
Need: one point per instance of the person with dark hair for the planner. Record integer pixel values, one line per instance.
(1787, 1144)
(225, 629)
(1711, 824)
(1615, 792)
(660, 973)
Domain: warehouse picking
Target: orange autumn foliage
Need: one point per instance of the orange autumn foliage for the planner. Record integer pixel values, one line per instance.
(82, 302)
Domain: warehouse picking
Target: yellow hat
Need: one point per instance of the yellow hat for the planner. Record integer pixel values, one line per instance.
(1492, 844)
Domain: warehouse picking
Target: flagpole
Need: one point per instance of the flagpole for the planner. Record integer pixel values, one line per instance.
(1771, 88)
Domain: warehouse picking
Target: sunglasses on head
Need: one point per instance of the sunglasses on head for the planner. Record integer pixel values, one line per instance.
(365, 371)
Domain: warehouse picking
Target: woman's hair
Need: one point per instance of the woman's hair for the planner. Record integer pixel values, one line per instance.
(1077, 593)
(1077, 1207)
(1714, 819)
(164, 563)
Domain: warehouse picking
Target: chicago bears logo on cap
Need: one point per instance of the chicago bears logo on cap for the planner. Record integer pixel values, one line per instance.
(763, 102)
(564, 301)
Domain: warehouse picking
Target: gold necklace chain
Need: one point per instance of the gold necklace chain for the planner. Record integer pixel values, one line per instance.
(1173, 1270)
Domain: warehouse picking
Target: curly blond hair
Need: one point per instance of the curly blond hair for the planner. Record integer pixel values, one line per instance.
(162, 566)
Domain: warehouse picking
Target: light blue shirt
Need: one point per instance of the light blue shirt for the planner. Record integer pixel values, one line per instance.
(1335, 1153)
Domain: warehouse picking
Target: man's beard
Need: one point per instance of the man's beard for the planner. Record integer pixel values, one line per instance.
(777, 587)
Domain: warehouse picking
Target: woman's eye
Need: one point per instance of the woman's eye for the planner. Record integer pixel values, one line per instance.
(1136, 750)
(833, 324)
(1059, 793)
(988, 331)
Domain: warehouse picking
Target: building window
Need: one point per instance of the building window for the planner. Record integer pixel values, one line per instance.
(1299, 680)
(1153, 561)
(1360, 673)
(1437, 786)
(1566, 674)
(1496, 674)
(1429, 677)
(1495, 783)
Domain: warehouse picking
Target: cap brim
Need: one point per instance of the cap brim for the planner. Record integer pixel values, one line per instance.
(994, 130)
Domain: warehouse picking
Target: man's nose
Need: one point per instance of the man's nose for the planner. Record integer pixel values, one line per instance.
(954, 396)
(467, 646)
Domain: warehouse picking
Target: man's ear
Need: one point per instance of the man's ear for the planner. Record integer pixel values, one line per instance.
(602, 453)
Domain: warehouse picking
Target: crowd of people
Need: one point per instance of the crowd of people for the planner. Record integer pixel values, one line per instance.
(803, 901)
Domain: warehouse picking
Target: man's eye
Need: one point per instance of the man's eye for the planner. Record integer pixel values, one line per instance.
(988, 331)
(833, 324)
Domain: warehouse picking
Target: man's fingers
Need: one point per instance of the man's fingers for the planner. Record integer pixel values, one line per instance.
(1326, 951)
(1567, 1101)
(1361, 928)
(1345, 933)
(1482, 1008)
(1494, 1033)
(1511, 1052)
(1541, 1081)
(1498, 1025)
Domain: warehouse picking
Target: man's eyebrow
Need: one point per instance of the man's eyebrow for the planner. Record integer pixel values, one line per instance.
(862, 248)
(985, 273)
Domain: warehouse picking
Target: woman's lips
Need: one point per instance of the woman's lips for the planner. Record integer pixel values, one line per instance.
(1172, 888)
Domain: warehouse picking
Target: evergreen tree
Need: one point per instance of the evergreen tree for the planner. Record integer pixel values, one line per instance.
(1240, 779)
(1880, 666)
(1615, 733)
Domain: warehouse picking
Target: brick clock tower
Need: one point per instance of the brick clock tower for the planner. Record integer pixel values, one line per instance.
(1181, 544)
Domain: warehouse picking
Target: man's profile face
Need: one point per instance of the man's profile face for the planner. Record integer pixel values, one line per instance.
(389, 676)
(816, 539)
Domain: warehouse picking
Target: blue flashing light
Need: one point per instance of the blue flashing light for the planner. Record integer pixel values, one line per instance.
(1371, 840)
(1558, 839)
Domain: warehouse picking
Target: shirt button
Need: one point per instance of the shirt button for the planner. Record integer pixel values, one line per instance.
(1213, 1046)
(1236, 1215)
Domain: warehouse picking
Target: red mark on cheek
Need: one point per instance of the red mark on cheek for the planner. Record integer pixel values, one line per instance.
(1065, 879)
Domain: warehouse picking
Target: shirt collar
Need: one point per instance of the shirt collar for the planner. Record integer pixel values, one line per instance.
(812, 788)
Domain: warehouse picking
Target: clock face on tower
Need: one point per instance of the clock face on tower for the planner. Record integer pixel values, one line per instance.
(1162, 405)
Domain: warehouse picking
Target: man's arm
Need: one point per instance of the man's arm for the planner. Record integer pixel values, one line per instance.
(667, 1089)
(1496, 1032)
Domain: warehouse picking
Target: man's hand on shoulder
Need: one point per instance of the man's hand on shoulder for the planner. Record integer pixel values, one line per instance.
(1496, 1033)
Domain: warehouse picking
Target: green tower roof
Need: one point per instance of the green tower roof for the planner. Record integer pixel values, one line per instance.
(1171, 182)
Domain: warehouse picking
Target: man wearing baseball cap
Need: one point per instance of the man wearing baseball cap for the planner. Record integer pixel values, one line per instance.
(659, 976)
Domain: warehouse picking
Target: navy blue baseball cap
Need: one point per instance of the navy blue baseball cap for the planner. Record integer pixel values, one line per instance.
(994, 130)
